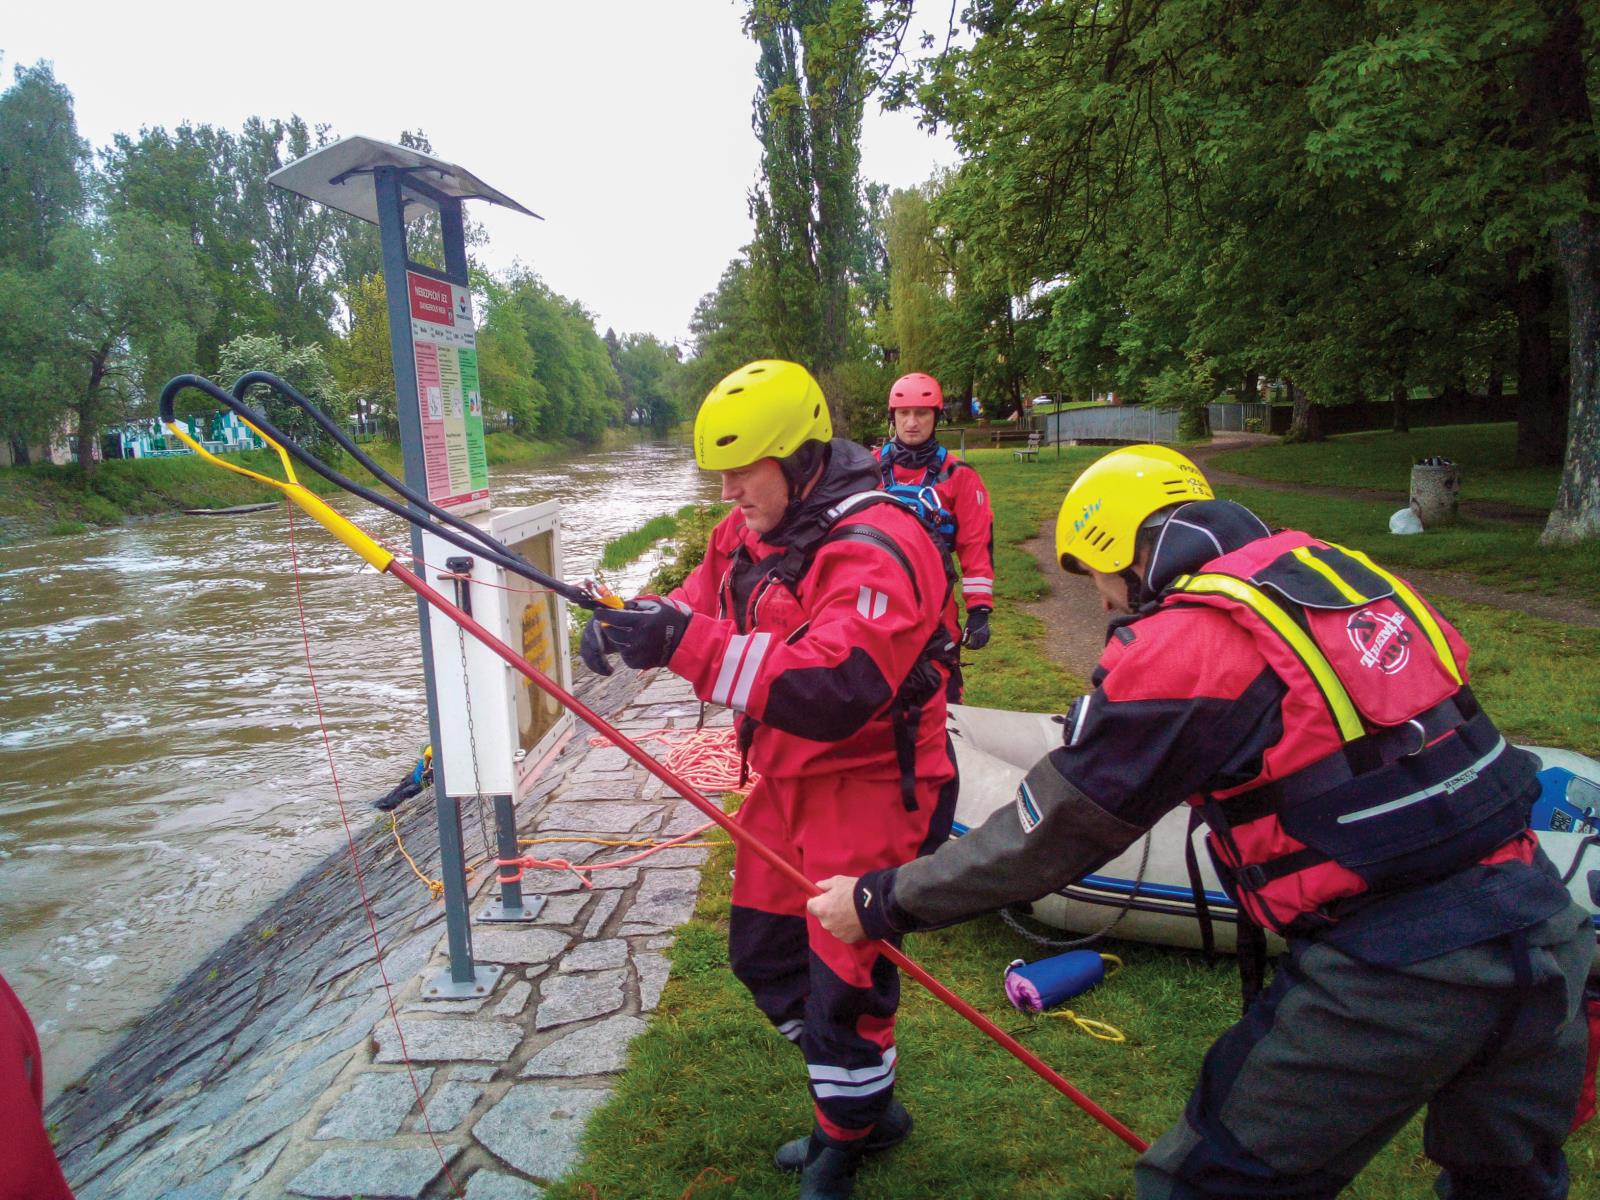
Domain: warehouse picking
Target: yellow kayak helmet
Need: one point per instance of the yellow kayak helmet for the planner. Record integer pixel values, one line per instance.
(1105, 506)
(765, 409)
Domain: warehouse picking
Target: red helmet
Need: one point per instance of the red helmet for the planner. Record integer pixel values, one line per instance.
(916, 390)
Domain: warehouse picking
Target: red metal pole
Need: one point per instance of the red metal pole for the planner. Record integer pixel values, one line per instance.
(542, 681)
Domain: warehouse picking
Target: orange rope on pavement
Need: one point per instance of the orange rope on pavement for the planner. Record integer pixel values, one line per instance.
(707, 758)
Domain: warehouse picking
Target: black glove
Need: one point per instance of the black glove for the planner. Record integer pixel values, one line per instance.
(977, 635)
(645, 631)
(595, 649)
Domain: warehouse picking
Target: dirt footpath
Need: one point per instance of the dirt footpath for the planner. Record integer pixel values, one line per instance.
(1074, 624)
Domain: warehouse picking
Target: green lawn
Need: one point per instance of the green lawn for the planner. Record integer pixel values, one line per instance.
(1503, 554)
(709, 1085)
(1382, 461)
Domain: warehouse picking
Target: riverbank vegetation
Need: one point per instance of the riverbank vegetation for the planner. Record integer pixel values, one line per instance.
(167, 252)
(710, 1088)
(43, 498)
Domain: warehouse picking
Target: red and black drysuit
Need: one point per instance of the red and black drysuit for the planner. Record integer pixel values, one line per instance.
(959, 509)
(28, 1167)
(825, 636)
(1314, 710)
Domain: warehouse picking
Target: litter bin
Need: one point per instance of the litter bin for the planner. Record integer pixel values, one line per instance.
(1435, 491)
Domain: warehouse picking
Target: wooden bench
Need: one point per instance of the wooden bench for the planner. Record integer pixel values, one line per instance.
(1028, 452)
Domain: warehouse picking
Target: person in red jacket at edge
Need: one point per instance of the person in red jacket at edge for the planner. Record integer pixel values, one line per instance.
(913, 465)
(1315, 712)
(817, 616)
(28, 1167)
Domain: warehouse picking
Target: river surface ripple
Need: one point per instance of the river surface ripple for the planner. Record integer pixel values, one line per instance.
(161, 769)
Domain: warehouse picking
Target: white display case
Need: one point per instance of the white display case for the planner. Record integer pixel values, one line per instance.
(485, 705)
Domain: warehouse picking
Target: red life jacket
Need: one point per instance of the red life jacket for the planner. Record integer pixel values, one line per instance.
(1388, 775)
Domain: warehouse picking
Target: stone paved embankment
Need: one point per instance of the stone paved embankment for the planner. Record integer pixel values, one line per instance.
(275, 1069)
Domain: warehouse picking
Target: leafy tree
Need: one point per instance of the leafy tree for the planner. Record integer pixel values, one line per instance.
(37, 365)
(919, 278)
(293, 237)
(190, 179)
(42, 166)
(129, 296)
(647, 370)
(507, 362)
(545, 363)
(304, 367)
(727, 331)
(1353, 198)
(361, 359)
(812, 81)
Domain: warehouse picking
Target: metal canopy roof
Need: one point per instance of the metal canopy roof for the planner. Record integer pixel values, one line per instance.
(340, 175)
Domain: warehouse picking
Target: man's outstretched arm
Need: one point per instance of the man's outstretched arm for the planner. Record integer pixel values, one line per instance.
(1049, 836)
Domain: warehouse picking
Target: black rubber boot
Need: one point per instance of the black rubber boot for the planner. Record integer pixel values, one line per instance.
(829, 1172)
(892, 1128)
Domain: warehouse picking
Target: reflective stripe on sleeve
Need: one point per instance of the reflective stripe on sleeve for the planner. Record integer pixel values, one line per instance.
(740, 665)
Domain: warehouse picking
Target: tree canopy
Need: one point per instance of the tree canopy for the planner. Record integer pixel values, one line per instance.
(167, 251)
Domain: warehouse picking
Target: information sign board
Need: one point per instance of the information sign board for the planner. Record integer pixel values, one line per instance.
(445, 347)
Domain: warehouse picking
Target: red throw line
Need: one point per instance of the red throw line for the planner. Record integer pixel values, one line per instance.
(758, 847)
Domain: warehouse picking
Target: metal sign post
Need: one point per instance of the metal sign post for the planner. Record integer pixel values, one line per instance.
(429, 326)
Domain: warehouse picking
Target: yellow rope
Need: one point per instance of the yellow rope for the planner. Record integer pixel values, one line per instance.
(589, 841)
(1095, 1029)
(435, 886)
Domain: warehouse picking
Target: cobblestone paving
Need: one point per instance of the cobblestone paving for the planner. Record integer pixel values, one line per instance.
(275, 1069)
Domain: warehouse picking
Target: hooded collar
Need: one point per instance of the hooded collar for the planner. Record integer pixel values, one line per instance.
(1195, 534)
(850, 468)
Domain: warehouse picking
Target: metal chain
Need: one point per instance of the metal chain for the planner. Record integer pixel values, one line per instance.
(1123, 909)
(472, 743)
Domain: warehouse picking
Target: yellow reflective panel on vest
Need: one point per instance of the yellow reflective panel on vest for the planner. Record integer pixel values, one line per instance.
(1321, 568)
(1306, 650)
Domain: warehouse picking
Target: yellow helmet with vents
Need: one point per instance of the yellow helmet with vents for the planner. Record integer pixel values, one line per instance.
(765, 409)
(1105, 506)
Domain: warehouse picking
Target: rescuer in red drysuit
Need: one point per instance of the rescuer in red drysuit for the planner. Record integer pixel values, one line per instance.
(913, 465)
(1314, 711)
(817, 616)
(28, 1167)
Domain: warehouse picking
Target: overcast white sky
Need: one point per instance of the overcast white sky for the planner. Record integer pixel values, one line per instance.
(625, 124)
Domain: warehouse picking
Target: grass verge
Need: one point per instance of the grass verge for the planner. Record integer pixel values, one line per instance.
(709, 1085)
(1498, 553)
(621, 551)
(1486, 455)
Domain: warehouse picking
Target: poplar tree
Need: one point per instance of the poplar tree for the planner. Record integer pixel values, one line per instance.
(812, 79)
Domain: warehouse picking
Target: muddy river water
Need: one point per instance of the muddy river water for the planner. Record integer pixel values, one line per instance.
(161, 770)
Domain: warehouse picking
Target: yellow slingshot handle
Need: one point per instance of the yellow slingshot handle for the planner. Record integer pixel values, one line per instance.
(351, 534)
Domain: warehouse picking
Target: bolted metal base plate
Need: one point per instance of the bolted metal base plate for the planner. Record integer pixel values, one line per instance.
(437, 985)
(497, 913)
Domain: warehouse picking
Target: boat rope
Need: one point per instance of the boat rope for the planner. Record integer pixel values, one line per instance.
(459, 532)
(1124, 907)
(355, 857)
